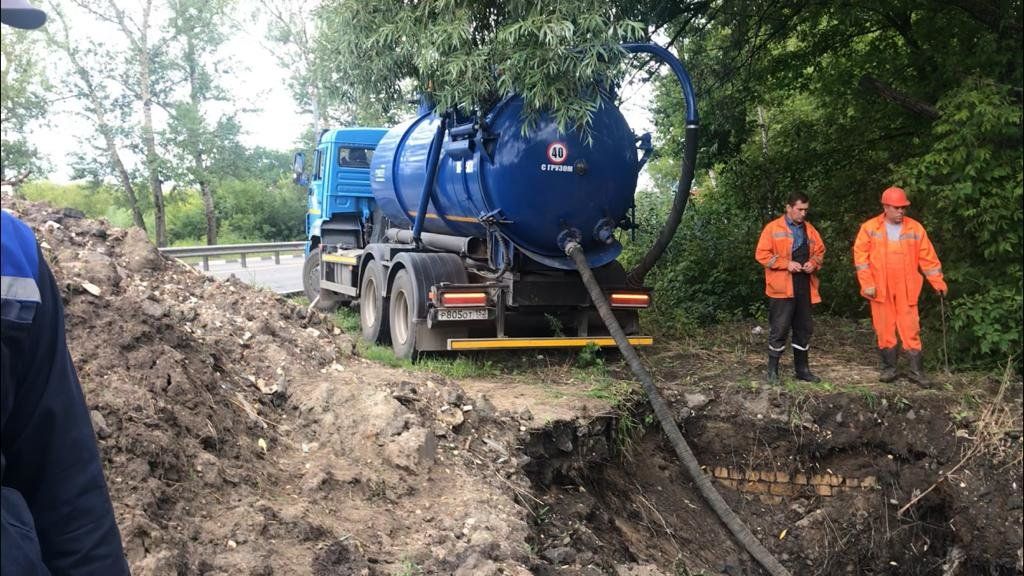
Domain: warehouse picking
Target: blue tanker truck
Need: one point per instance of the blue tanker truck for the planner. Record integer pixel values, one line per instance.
(449, 231)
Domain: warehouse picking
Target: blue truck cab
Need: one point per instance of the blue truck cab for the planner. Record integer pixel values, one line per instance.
(339, 202)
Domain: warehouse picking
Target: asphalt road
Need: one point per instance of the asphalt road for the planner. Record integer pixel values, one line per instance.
(283, 278)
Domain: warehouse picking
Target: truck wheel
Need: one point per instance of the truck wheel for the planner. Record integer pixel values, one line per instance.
(402, 312)
(373, 313)
(328, 301)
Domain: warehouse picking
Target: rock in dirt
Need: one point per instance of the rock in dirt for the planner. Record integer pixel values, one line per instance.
(152, 309)
(139, 254)
(477, 565)
(559, 556)
(99, 424)
(483, 406)
(638, 570)
(413, 450)
(696, 400)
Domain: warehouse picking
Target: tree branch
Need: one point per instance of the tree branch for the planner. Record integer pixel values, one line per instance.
(901, 99)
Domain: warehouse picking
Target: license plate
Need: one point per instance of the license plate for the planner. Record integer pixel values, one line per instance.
(444, 314)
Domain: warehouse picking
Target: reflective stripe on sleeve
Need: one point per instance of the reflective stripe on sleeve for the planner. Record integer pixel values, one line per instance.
(18, 288)
(860, 267)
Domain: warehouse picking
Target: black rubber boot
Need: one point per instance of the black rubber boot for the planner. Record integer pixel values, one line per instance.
(916, 370)
(773, 369)
(803, 370)
(888, 373)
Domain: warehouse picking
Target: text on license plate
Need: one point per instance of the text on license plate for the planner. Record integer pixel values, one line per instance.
(461, 314)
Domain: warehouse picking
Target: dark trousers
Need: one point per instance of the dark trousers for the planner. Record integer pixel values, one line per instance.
(785, 314)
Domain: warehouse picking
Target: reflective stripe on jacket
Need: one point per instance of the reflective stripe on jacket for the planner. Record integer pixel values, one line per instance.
(774, 250)
(869, 258)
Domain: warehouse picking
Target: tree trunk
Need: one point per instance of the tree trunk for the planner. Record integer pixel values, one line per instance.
(122, 174)
(99, 110)
(211, 214)
(762, 123)
(148, 137)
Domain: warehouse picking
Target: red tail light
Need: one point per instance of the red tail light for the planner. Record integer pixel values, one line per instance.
(630, 300)
(456, 299)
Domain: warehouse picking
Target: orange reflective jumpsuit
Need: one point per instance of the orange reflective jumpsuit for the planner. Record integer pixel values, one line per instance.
(890, 266)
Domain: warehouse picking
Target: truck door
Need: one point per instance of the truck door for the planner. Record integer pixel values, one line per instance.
(314, 201)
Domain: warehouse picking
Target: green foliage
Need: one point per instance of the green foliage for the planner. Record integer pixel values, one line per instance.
(22, 103)
(95, 202)
(699, 279)
(971, 182)
(253, 210)
(468, 54)
(589, 355)
(841, 101)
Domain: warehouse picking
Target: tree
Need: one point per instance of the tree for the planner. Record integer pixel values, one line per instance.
(290, 28)
(198, 27)
(859, 96)
(469, 54)
(143, 81)
(105, 112)
(23, 101)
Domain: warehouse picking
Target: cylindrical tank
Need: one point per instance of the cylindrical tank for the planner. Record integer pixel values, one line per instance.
(533, 187)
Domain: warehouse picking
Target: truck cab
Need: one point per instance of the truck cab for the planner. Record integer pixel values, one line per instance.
(339, 202)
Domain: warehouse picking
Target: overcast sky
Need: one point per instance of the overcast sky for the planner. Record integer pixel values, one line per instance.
(272, 120)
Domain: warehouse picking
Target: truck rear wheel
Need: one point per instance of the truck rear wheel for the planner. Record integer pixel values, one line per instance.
(373, 311)
(402, 313)
(328, 301)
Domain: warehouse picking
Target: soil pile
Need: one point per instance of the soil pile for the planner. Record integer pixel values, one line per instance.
(240, 435)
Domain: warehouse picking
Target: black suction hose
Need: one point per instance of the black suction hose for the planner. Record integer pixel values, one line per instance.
(637, 274)
(668, 425)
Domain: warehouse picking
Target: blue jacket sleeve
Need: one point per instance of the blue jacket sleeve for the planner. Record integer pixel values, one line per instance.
(49, 449)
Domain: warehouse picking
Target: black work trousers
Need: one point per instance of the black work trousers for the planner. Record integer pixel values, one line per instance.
(785, 314)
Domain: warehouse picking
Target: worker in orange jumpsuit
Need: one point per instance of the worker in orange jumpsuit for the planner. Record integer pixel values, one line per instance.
(889, 252)
(791, 251)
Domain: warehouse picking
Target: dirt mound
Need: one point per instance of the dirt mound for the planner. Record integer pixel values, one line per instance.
(240, 435)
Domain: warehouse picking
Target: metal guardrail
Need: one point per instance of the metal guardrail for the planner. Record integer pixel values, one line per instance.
(230, 249)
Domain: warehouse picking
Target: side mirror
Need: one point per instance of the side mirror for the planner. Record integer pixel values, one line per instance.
(298, 164)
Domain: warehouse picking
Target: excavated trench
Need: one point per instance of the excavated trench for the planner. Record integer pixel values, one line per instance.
(819, 481)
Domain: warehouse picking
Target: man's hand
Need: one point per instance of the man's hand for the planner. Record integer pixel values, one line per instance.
(870, 292)
(794, 267)
(809, 267)
(942, 289)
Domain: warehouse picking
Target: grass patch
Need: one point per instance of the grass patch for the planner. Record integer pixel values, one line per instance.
(455, 367)
(799, 387)
(347, 319)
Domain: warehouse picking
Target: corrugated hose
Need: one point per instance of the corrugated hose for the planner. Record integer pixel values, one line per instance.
(739, 530)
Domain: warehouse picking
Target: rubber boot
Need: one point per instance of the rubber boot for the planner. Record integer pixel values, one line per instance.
(773, 369)
(803, 370)
(888, 373)
(916, 371)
